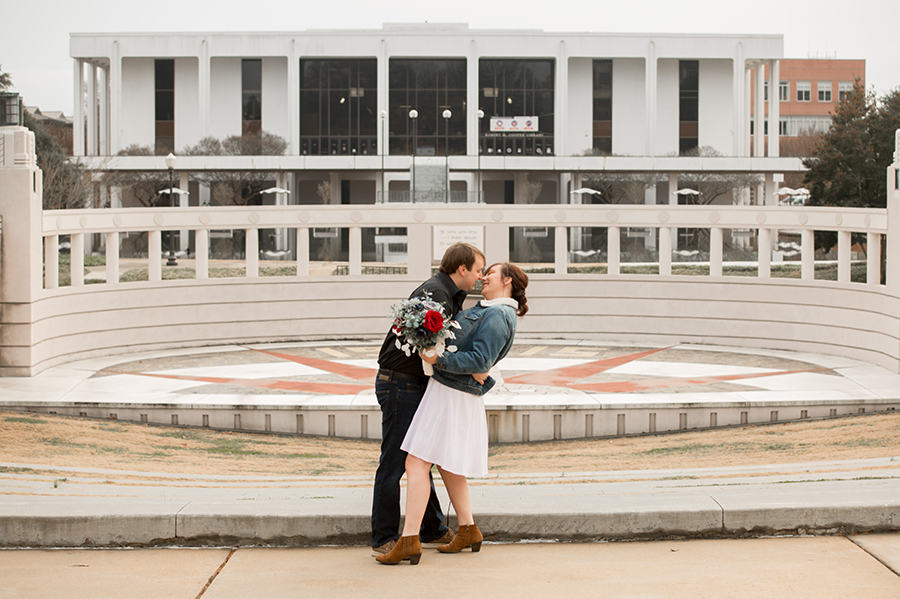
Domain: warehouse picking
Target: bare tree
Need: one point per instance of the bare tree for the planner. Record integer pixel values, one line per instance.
(238, 187)
(714, 185)
(143, 186)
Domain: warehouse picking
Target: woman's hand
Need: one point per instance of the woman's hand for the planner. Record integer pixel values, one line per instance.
(481, 377)
(429, 355)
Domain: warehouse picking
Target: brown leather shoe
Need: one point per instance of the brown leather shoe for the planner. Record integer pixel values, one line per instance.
(406, 547)
(445, 539)
(468, 536)
(376, 551)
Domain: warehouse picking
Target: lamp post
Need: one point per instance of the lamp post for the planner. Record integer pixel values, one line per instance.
(478, 139)
(447, 114)
(414, 114)
(383, 115)
(170, 163)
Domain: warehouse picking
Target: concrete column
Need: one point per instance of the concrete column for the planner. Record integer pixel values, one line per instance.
(764, 241)
(201, 266)
(115, 96)
(472, 107)
(650, 84)
(91, 109)
(303, 252)
(759, 111)
(76, 256)
(774, 108)
(103, 144)
(560, 144)
(21, 258)
(112, 258)
(252, 252)
(807, 254)
(420, 250)
(673, 201)
(78, 109)
(843, 239)
(560, 251)
(612, 250)
(738, 94)
(51, 261)
(665, 250)
(873, 258)
(355, 251)
(154, 255)
(769, 190)
(203, 95)
(184, 201)
(715, 251)
(745, 124)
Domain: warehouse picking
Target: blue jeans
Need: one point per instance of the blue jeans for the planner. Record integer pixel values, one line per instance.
(399, 398)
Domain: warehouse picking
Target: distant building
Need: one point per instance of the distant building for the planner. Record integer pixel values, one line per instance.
(56, 123)
(808, 89)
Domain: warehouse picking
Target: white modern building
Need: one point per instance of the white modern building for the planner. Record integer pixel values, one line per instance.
(342, 100)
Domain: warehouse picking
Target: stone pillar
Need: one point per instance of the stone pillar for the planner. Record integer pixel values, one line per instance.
(759, 109)
(21, 258)
(650, 80)
(184, 201)
(78, 110)
(92, 109)
(774, 108)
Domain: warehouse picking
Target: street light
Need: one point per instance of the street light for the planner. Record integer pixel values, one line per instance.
(170, 163)
(478, 138)
(447, 114)
(383, 115)
(414, 114)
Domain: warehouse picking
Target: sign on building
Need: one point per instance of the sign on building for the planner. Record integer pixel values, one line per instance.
(444, 237)
(514, 124)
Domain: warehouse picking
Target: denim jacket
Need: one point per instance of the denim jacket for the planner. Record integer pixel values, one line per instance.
(487, 333)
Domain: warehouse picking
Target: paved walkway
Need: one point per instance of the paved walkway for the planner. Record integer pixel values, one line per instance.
(825, 529)
(795, 568)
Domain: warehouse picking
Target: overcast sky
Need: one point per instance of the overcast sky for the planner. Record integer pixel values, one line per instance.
(34, 36)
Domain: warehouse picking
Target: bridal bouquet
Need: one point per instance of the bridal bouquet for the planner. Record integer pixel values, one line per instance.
(420, 324)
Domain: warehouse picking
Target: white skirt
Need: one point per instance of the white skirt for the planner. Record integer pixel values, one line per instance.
(449, 429)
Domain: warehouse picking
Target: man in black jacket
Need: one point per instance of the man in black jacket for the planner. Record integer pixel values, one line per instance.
(399, 387)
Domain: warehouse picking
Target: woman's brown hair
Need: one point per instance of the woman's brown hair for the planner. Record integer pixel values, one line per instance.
(519, 283)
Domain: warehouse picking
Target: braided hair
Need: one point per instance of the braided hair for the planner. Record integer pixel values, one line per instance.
(519, 283)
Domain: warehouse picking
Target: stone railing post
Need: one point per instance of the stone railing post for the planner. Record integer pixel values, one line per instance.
(21, 249)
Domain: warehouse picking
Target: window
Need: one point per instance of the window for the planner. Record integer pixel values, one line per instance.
(251, 97)
(603, 106)
(165, 106)
(844, 89)
(803, 91)
(339, 107)
(782, 127)
(516, 88)
(824, 91)
(766, 90)
(688, 104)
(430, 87)
(784, 90)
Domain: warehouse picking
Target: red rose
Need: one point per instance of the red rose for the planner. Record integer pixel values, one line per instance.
(434, 321)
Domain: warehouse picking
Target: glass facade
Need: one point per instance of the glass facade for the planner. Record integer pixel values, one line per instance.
(429, 87)
(688, 105)
(602, 106)
(251, 96)
(164, 77)
(338, 106)
(516, 88)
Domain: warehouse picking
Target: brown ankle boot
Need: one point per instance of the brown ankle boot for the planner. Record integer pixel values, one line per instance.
(406, 547)
(468, 536)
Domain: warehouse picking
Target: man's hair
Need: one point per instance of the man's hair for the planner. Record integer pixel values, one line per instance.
(459, 254)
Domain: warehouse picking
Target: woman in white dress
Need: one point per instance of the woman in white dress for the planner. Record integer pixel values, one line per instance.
(449, 428)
